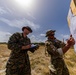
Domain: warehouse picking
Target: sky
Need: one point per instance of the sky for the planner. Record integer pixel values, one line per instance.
(40, 15)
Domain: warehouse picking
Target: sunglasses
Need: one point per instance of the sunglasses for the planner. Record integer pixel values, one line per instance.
(51, 34)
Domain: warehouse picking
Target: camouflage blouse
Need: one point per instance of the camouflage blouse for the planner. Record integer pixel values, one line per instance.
(18, 57)
(52, 46)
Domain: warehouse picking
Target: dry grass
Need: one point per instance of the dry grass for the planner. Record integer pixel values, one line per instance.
(39, 62)
(70, 59)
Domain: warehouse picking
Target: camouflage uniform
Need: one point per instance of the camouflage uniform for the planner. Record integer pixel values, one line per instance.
(18, 63)
(57, 61)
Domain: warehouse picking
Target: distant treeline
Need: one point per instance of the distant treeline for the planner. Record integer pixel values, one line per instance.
(3, 43)
(41, 43)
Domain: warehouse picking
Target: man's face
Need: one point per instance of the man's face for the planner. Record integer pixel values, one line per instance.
(51, 36)
(26, 31)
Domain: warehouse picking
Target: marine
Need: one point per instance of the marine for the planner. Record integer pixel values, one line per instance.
(19, 44)
(56, 49)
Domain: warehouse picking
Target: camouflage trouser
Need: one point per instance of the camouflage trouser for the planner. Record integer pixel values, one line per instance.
(60, 67)
(18, 71)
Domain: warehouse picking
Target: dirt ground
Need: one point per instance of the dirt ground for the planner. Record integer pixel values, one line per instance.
(39, 61)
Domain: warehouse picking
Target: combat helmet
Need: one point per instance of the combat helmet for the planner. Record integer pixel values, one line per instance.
(28, 28)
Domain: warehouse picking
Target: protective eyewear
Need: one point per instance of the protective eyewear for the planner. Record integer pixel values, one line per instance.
(51, 34)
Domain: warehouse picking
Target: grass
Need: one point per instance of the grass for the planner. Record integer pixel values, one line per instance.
(70, 59)
(39, 62)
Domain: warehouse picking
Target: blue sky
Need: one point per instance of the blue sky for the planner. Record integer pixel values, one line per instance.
(40, 15)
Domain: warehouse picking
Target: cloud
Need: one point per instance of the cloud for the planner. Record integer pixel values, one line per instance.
(20, 23)
(33, 25)
(36, 39)
(14, 11)
(42, 34)
(29, 14)
(65, 36)
(33, 38)
(2, 11)
(4, 36)
(7, 11)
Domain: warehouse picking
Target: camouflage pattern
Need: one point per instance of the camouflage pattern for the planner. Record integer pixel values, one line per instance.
(56, 59)
(18, 62)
